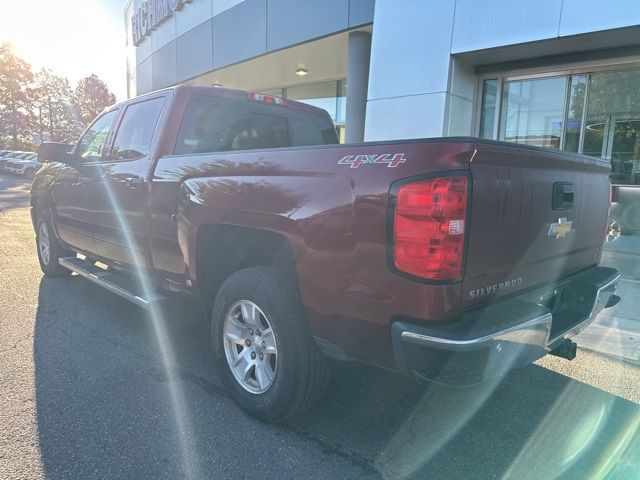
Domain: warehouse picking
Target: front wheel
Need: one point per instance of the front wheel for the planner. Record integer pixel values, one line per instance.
(267, 356)
(49, 250)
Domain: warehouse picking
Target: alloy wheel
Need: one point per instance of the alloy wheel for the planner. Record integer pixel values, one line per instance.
(44, 244)
(250, 347)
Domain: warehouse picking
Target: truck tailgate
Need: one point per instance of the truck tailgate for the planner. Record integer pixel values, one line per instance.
(518, 236)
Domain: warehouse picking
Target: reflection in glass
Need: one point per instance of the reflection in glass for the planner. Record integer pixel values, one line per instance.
(533, 111)
(133, 139)
(613, 123)
(91, 145)
(322, 95)
(488, 111)
(575, 110)
(341, 108)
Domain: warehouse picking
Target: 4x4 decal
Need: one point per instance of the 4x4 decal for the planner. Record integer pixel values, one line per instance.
(391, 160)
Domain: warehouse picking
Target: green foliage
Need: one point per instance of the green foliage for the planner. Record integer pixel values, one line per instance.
(53, 109)
(44, 103)
(15, 101)
(91, 97)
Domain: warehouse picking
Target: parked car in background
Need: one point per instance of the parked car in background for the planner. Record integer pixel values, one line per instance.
(24, 166)
(7, 157)
(3, 160)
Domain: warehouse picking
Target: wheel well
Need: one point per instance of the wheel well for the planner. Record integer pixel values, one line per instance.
(224, 249)
(38, 205)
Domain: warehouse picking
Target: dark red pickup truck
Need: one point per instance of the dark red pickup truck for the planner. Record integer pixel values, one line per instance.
(451, 260)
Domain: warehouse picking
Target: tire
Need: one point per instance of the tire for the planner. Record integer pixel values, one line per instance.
(30, 172)
(631, 217)
(49, 262)
(297, 374)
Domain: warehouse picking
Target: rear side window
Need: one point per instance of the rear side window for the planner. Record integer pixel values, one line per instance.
(214, 124)
(135, 132)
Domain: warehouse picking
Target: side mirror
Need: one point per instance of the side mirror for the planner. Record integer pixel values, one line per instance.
(55, 152)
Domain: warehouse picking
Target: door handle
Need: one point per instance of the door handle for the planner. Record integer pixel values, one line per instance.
(133, 181)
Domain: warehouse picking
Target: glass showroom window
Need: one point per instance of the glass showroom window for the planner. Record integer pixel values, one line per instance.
(488, 114)
(613, 123)
(595, 113)
(575, 113)
(533, 111)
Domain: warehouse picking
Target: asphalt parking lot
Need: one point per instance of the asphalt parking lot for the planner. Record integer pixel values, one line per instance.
(93, 387)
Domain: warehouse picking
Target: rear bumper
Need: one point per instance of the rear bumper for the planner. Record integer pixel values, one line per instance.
(506, 335)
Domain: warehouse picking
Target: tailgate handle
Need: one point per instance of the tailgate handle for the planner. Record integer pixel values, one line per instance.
(562, 196)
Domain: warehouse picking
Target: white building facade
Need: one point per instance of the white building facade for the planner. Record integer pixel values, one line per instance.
(563, 74)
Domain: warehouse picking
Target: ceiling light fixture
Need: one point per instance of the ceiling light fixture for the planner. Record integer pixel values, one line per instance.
(301, 72)
(217, 84)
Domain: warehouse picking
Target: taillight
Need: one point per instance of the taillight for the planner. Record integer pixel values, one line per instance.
(429, 227)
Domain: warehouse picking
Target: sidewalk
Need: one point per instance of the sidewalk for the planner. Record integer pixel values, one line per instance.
(616, 331)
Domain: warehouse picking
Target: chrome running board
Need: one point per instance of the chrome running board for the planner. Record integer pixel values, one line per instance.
(121, 284)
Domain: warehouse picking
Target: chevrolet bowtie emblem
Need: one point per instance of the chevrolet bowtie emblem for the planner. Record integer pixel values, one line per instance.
(560, 228)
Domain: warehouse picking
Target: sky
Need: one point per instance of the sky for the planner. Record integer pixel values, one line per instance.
(74, 38)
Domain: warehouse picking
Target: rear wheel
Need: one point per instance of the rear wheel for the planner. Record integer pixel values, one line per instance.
(631, 217)
(267, 356)
(49, 250)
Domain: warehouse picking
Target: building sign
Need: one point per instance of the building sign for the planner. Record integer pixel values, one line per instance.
(151, 14)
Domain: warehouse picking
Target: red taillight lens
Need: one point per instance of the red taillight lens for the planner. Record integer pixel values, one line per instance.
(429, 228)
(271, 99)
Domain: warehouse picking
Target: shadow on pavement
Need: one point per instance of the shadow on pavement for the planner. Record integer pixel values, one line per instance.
(106, 407)
(14, 192)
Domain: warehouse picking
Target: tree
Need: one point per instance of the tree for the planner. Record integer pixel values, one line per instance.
(53, 107)
(91, 97)
(15, 111)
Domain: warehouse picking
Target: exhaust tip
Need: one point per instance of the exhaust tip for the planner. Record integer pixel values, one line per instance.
(613, 300)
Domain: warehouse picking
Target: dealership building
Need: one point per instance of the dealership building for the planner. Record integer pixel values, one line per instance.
(563, 74)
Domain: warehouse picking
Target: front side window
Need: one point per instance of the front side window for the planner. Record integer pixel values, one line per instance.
(91, 146)
(135, 132)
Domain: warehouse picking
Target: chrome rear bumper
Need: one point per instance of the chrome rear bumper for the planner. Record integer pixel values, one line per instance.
(503, 336)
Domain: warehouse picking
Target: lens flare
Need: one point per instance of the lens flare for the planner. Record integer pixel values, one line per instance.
(188, 449)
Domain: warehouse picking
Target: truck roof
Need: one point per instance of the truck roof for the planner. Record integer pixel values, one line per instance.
(185, 90)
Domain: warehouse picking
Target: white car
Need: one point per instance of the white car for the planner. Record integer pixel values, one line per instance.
(26, 166)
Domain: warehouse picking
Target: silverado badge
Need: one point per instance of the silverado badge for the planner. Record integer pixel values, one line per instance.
(560, 228)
